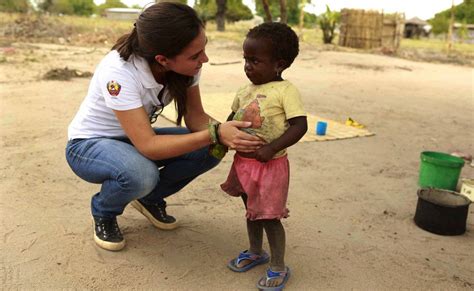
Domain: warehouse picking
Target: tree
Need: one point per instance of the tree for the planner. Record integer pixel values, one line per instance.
(206, 10)
(293, 9)
(310, 20)
(77, 7)
(266, 8)
(301, 19)
(46, 5)
(235, 10)
(179, 1)
(327, 22)
(110, 4)
(83, 7)
(305, 19)
(60, 7)
(463, 12)
(283, 12)
(220, 15)
(14, 6)
(440, 24)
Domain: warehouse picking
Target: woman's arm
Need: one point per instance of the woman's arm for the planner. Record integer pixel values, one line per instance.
(229, 134)
(137, 127)
(196, 118)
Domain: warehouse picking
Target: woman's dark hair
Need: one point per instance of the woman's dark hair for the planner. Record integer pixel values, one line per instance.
(283, 39)
(165, 28)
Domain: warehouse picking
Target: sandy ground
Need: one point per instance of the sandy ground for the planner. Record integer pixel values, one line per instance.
(352, 201)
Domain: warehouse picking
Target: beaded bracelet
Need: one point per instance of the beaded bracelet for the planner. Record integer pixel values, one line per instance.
(212, 127)
(217, 133)
(216, 149)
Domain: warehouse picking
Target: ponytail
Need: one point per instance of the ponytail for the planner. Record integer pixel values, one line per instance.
(178, 85)
(127, 44)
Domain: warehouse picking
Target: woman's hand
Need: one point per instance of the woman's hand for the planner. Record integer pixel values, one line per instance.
(231, 136)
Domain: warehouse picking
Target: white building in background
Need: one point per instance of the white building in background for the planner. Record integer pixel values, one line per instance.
(122, 13)
(469, 32)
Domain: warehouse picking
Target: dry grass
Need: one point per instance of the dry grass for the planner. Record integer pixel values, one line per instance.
(436, 45)
(61, 29)
(435, 50)
(104, 32)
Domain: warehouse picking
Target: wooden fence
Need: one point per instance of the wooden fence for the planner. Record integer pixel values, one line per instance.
(370, 29)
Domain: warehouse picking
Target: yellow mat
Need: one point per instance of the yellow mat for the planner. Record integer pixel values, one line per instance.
(218, 106)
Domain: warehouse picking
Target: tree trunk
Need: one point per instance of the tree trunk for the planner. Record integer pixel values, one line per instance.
(301, 20)
(283, 15)
(220, 15)
(450, 29)
(268, 14)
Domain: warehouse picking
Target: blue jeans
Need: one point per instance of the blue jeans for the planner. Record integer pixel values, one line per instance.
(127, 175)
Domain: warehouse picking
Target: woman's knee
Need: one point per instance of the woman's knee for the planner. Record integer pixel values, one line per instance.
(202, 159)
(139, 178)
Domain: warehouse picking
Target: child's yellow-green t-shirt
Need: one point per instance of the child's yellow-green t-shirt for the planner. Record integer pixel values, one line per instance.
(269, 107)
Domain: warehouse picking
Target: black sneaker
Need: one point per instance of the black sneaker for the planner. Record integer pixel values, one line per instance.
(107, 234)
(156, 214)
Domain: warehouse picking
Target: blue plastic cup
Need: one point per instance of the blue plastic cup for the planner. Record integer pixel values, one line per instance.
(321, 127)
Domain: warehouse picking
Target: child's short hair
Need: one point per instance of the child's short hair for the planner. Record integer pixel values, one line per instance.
(283, 39)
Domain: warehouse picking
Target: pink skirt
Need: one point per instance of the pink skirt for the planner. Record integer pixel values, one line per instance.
(266, 186)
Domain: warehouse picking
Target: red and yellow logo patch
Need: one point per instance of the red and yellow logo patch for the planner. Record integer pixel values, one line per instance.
(114, 88)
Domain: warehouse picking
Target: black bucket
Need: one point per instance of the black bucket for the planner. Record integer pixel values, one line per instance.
(442, 212)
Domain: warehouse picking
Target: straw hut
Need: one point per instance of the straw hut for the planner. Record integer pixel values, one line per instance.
(415, 28)
(370, 29)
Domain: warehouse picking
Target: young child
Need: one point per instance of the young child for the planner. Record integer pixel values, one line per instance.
(275, 109)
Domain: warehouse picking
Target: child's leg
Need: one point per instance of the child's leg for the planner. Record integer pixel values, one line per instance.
(255, 234)
(254, 231)
(276, 240)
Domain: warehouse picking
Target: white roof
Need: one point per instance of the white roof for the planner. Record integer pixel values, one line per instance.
(123, 10)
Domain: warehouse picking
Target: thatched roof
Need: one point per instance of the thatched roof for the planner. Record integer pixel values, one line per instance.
(416, 21)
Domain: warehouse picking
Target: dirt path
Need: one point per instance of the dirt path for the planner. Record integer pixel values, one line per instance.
(351, 201)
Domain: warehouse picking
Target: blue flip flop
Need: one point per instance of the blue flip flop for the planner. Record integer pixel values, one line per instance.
(271, 275)
(246, 255)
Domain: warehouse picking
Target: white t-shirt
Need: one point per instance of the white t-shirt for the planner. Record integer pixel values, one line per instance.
(117, 85)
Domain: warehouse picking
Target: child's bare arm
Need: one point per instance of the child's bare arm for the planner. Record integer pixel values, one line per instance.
(297, 129)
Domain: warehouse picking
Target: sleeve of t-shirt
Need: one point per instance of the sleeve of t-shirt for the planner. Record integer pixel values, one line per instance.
(120, 89)
(292, 103)
(236, 103)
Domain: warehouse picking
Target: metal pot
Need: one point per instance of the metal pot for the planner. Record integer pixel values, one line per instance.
(442, 212)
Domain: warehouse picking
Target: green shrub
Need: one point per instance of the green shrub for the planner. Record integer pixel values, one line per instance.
(327, 22)
(236, 10)
(21, 6)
